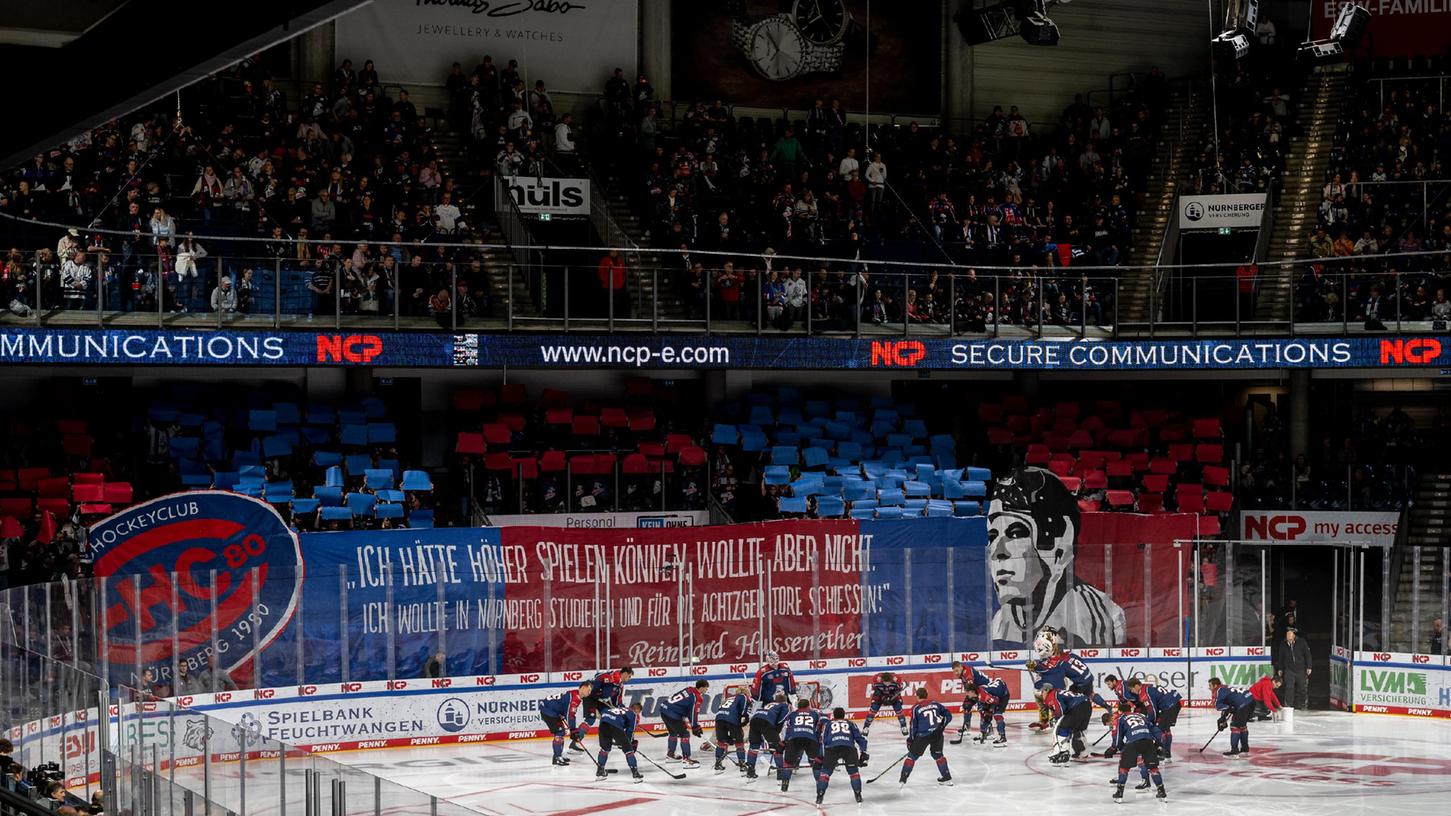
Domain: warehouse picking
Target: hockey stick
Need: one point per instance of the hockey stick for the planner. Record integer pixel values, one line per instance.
(1211, 739)
(592, 758)
(658, 765)
(1101, 736)
(888, 768)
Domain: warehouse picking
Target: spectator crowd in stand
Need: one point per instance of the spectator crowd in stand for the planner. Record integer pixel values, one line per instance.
(1374, 209)
(349, 164)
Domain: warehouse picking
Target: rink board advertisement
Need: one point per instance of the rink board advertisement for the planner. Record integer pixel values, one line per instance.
(148, 347)
(330, 717)
(1418, 685)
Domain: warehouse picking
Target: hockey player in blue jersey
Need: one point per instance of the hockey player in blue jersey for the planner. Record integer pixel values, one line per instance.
(773, 676)
(608, 692)
(886, 691)
(803, 740)
(1140, 740)
(929, 720)
(558, 711)
(1072, 711)
(841, 743)
(617, 730)
(1065, 670)
(991, 698)
(1160, 705)
(1235, 707)
(765, 731)
(681, 715)
(730, 724)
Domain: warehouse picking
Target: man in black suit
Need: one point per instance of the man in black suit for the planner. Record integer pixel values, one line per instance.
(1292, 662)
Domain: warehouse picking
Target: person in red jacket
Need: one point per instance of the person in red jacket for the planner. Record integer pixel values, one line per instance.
(1267, 702)
(611, 273)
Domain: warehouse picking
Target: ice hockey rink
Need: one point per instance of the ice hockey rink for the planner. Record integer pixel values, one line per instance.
(1322, 762)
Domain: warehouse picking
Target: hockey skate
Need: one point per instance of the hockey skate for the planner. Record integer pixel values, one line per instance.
(689, 762)
(1233, 752)
(1142, 786)
(944, 781)
(859, 797)
(1061, 758)
(904, 731)
(1162, 795)
(600, 772)
(718, 767)
(560, 761)
(574, 745)
(669, 757)
(639, 777)
(1118, 795)
(785, 783)
(1001, 741)
(819, 797)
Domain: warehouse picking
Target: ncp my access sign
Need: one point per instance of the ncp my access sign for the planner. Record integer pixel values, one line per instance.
(184, 569)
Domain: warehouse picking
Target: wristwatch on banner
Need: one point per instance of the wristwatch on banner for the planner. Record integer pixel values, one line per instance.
(806, 40)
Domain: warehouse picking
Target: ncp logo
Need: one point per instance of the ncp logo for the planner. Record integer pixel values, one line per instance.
(1266, 527)
(485, 681)
(736, 668)
(575, 676)
(1420, 658)
(453, 715)
(1417, 351)
(1194, 211)
(897, 353)
(1255, 651)
(816, 664)
(856, 662)
(932, 658)
(657, 672)
(353, 348)
(350, 687)
(896, 661)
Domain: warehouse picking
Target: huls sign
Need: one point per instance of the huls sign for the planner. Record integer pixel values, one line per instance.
(535, 195)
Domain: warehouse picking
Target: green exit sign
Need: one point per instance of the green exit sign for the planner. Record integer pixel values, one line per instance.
(1224, 230)
(547, 216)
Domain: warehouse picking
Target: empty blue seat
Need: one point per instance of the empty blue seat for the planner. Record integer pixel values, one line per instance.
(977, 474)
(388, 511)
(793, 504)
(849, 450)
(967, 508)
(276, 446)
(196, 479)
(916, 505)
(327, 458)
(335, 514)
(279, 492)
(811, 432)
(883, 427)
(252, 471)
(815, 457)
(416, 480)
(916, 490)
(354, 435)
(777, 475)
(857, 491)
(262, 421)
(974, 490)
(361, 504)
(869, 503)
(331, 495)
(378, 478)
(890, 498)
(754, 442)
(785, 455)
(724, 434)
(391, 465)
(830, 507)
(943, 443)
(382, 433)
(889, 512)
(818, 408)
(953, 489)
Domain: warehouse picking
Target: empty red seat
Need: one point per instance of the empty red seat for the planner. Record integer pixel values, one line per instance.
(1038, 455)
(1208, 526)
(1061, 467)
(88, 478)
(1216, 476)
(654, 450)
(642, 421)
(1121, 469)
(498, 461)
(1155, 417)
(59, 507)
(1139, 460)
(692, 456)
(1015, 403)
(52, 487)
(1206, 428)
(1017, 424)
(19, 507)
(586, 426)
(581, 464)
(1156, 482)
(1092, 423)
(528, 467)
(1173, 433)
(1151, 502)
(559, 416)
(553, 398)
(639, 386)
(469, 444)
(1120, 498)
(1080, 439)
(1183, 452)
(514, 422)
(1066, 409)
(10, 527)
(95, 509)
(1219, 501)
(1209, 453)
(552, 461)
(1164, 465)
(614, 418)
(1095, 480)
(472, 400)
(634, 464)
(497, 434)
(87, 493)
(1190, 501)
(674, 442)
(116, 492)
(513, 394)
(1070, 482)
(1125, 438)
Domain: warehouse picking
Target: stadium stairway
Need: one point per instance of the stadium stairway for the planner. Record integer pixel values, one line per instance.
(642, 280)
(1430, 527)
(1180, 134)
(1322, 96)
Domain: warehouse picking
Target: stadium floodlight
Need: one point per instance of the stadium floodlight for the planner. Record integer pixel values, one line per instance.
(1240, 19)
(1349, 27)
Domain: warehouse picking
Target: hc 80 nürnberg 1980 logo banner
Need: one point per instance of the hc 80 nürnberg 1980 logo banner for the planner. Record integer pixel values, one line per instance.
(184, 568)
